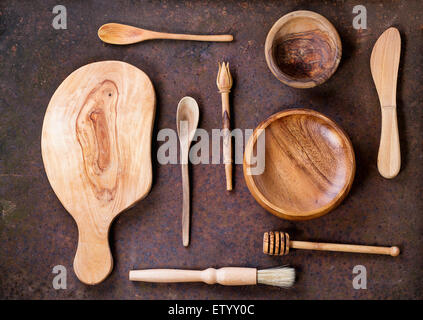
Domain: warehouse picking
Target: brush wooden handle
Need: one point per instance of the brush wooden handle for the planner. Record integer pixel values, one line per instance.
(229, 276)
(278, 243)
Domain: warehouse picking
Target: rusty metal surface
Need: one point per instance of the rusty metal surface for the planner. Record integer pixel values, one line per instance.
(36, 233)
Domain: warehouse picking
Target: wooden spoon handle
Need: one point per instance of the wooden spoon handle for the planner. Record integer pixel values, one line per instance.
(226, 276)
(93, 260)
(392, 251)
(185, 205)
(175, 36)
(389, 156)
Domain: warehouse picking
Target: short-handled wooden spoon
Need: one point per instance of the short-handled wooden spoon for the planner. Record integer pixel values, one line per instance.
(384, 63)
(186, 121)
(116, 33)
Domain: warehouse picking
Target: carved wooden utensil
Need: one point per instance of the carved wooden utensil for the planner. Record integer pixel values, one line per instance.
(96, 143)
(278, 243)
(116, 33)
(304, 167)
(384, 63)
(186, 120)
(224, 83)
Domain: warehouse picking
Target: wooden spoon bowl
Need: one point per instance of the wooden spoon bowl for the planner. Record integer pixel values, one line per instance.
(309, 164)
(303, 49)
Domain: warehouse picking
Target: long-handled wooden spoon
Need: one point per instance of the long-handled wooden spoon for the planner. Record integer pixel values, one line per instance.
(186, 120)
(277, 243)
(116, 33)
(384, 63)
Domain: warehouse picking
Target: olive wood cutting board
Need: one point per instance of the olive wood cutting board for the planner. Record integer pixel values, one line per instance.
(96, 148)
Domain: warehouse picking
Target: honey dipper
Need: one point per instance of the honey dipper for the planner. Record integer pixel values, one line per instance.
(277, 243)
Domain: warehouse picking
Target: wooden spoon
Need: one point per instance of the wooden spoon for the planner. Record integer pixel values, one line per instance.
(186, 121)
(116, 33)
(384, 63)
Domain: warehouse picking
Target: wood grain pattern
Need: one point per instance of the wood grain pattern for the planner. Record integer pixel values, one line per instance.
(384, 63)
(116, 33)
(303, 49)
(278, 243)
(309, 165)
(96, 144)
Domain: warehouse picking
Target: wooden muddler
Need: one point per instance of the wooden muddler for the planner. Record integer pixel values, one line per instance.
(278, 243)
(224, 83)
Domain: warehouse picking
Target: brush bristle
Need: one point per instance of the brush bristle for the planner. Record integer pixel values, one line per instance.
(280, 277)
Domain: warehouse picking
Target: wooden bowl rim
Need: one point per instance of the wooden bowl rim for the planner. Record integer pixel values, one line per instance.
(281, 76)
(291, 215)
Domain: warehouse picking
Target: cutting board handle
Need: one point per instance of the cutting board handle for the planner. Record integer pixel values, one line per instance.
(93, 260)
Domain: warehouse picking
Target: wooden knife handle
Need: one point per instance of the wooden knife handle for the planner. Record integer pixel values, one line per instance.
(389, 156)
(229, 276)
(93, 260)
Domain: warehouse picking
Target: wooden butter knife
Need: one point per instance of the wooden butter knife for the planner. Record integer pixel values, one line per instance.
(384, 63)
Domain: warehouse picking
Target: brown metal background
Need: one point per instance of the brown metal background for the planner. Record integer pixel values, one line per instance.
(36, 233)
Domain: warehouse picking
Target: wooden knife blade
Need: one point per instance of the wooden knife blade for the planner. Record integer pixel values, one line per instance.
(384, 63)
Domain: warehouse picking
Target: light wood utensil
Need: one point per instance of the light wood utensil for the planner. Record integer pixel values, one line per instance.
(116, 33)
(278, 243)
(224, 83)
(308, 164)
(230, 276)
(187, 121)
(384, 63)
(96, 144)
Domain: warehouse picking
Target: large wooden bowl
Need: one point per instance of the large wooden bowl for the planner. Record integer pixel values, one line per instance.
(309, 164)
(303, 49)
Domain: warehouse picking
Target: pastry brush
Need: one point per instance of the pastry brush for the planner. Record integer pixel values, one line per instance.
(230, 276)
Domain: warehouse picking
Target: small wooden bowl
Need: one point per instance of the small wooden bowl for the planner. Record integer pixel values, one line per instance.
(303, 49)
(309, 164)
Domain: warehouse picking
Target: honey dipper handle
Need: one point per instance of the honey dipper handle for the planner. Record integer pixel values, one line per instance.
(226, 276)
(393, 251)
